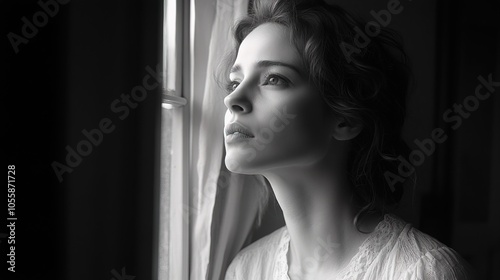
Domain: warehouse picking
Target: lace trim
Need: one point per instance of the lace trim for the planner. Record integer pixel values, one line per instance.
(281, 271)
(370, 248)
(367, 252)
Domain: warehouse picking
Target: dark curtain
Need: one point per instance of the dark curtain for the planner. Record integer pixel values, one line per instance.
(67, 87)
(462, 208)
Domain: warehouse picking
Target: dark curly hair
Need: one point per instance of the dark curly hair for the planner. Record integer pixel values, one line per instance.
(364, 84)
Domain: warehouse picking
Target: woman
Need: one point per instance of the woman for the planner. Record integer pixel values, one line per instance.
(318, 112)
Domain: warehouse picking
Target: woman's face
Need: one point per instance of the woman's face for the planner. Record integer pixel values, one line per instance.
(275, 118)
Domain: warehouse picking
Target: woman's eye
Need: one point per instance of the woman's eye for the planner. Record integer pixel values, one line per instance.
(232, 86)
(275, 80)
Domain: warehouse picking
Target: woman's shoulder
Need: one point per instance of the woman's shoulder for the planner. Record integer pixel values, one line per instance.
(414, 243)
(411, 239)
(258, 256)
(420, 256)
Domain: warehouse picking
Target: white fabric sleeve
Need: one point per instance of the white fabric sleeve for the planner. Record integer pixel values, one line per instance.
(440, 263)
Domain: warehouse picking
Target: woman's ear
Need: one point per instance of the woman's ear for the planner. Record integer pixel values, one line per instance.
(344, 130)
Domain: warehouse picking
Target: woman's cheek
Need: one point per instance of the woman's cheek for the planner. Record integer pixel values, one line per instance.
(309, 128)
(300, 141)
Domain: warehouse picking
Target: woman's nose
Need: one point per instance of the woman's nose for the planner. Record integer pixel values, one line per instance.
(238, 101)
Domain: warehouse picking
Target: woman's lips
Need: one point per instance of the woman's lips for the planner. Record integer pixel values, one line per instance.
(236, 137)
(237, 132)
(239, 129)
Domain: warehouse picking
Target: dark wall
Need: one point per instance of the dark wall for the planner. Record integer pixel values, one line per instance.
(97, 221)
(33, 110)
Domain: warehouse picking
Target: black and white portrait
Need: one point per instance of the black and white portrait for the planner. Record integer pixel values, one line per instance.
(251, 140)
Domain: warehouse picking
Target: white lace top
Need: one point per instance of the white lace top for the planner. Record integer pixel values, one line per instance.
(394, 250)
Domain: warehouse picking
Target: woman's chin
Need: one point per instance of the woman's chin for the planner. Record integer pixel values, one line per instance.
(240, 166)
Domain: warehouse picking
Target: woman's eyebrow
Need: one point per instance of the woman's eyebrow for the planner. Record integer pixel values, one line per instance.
(268, 63)
(235, 68)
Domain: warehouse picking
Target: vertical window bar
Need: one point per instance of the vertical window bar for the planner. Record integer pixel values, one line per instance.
(173, 221)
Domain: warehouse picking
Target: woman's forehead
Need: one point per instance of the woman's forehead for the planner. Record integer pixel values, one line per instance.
(267, 42)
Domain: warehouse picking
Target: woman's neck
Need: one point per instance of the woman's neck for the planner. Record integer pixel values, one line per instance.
(318, 210)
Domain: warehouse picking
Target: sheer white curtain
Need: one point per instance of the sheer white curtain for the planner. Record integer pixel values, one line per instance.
(223, 206)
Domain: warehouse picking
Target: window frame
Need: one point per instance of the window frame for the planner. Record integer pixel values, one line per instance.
(175, 190)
